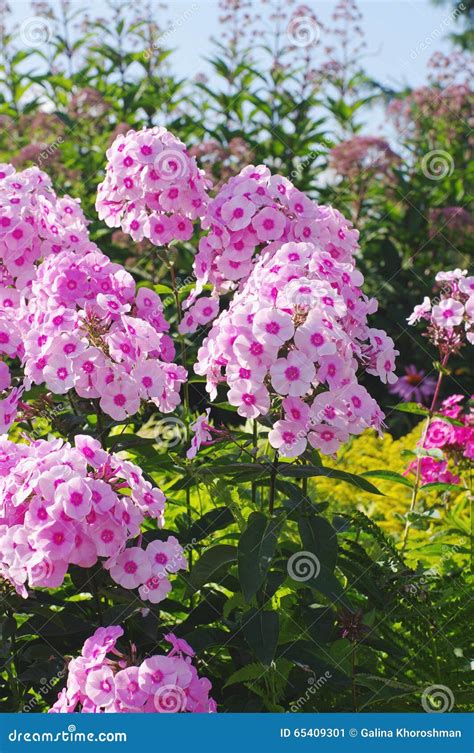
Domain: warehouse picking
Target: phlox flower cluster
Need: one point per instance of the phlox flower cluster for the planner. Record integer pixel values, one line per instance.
(153, 188)
(11, 347)
(256, 209)
(297, 331)
(450, 316)
(456, 443)
(86, 327)
(201, 434)
(34, 224)
(67, 505)
(103, 679)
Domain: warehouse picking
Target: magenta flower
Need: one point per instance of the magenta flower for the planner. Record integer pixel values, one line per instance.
(202, 434)
(450, 317)
(153, 188)
(131, 568)
(67, 505)
(103, 679)
(100, 686)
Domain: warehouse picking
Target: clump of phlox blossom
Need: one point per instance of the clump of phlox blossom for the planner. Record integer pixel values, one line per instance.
(449, 315)
(86, 327)
(297, 331)
(104, 679)
(34, 224)
(11, 348)
(252, 211)
(454, 441)
(63, 505)
(201, 434)
(153, 188)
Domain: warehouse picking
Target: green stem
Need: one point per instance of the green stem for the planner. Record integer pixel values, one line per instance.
(96, 594)
(179, 315)
(254, 444)
(429, 418)
(353, 679)
(273, 476)
(435, 656)
(190, 554)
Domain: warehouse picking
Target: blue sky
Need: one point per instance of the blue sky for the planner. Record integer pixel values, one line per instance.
(401, 34)
(396, 30)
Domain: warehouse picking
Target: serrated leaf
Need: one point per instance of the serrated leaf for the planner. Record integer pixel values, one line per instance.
(250, 672)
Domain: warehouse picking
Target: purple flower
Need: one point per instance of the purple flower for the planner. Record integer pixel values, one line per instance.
(414, 386)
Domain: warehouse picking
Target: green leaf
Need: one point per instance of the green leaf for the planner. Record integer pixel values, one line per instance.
(302, 653)
(397, 478)
(326, 583)
(122, 442)
(308, 471)
(439, 486)
(250, 672)
(214, 520)
(163, 289)
(261, 630)
(244, 471)
(319, 537)
(255, 552)
(416, 408)
(212, 561)
(419, 410)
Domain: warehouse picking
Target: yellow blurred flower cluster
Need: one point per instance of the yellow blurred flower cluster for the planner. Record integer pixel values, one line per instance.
(369, 452)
